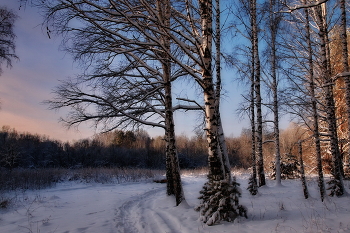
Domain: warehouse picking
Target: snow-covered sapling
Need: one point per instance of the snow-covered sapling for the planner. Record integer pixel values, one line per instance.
(220, 201)
(252, 185)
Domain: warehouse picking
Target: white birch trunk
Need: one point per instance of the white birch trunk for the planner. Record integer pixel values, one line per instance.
(221, 135)
(252, 123)
(273, 30)
(257, 72)
(252, 111)
(216, 169)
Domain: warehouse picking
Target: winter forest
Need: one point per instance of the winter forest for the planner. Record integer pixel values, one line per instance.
(290, 56)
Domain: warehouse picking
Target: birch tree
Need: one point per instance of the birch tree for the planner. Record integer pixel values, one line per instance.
(195, 39)
(273, 25)
(320, 13)
(258, 101)
(316, 131)
(136, 94)
(220, 195)
(243, 60)
(320, 88)
(221, 135)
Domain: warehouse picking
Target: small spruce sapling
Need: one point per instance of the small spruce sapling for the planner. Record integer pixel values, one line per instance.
(220, 201)
(334, 185)
(252, 186)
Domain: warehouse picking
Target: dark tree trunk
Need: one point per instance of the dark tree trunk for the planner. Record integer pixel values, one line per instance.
(329, 98)
(174, 185)
(316, 130)
(345, 61)
(302, 171)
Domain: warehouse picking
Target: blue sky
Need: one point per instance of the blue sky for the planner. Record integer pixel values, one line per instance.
(32, 79)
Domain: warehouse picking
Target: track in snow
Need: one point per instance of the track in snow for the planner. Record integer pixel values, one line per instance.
(153, 211)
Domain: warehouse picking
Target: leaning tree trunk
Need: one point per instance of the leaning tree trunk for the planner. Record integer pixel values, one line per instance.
(259, 139)
(173, 167)
(221, 135)
(174, 185)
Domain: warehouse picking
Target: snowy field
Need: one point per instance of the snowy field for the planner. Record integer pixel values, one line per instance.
(73, 207)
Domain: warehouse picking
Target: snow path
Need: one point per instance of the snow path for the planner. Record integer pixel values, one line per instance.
(130, 216)
(71, 208)
(153, 211)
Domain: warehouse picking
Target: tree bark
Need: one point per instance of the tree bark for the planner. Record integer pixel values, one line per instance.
(329, 96)
(316, 130)
(302, 171)
(257, 80)
(174, 185)
(216, 169)
(345, 60)
(252, 114)
(221, 135)
(252, 123)
(274, 21)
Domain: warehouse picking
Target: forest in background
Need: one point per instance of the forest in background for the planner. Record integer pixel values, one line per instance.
(128, 149)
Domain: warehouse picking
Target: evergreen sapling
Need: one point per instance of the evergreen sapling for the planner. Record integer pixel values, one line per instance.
(252, 186)
(334, 185)
(220, 202)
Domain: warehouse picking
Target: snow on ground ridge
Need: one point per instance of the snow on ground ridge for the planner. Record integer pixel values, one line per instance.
(143, 207)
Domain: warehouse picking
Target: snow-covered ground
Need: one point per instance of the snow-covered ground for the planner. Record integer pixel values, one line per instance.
(73, 207)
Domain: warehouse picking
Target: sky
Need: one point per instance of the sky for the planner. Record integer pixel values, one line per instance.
(41, 65)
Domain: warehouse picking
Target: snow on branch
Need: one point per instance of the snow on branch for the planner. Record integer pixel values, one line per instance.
(303, 6)
(199, 107)
(187, 107)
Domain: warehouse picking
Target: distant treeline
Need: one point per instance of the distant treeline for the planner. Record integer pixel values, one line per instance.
(113, 149)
